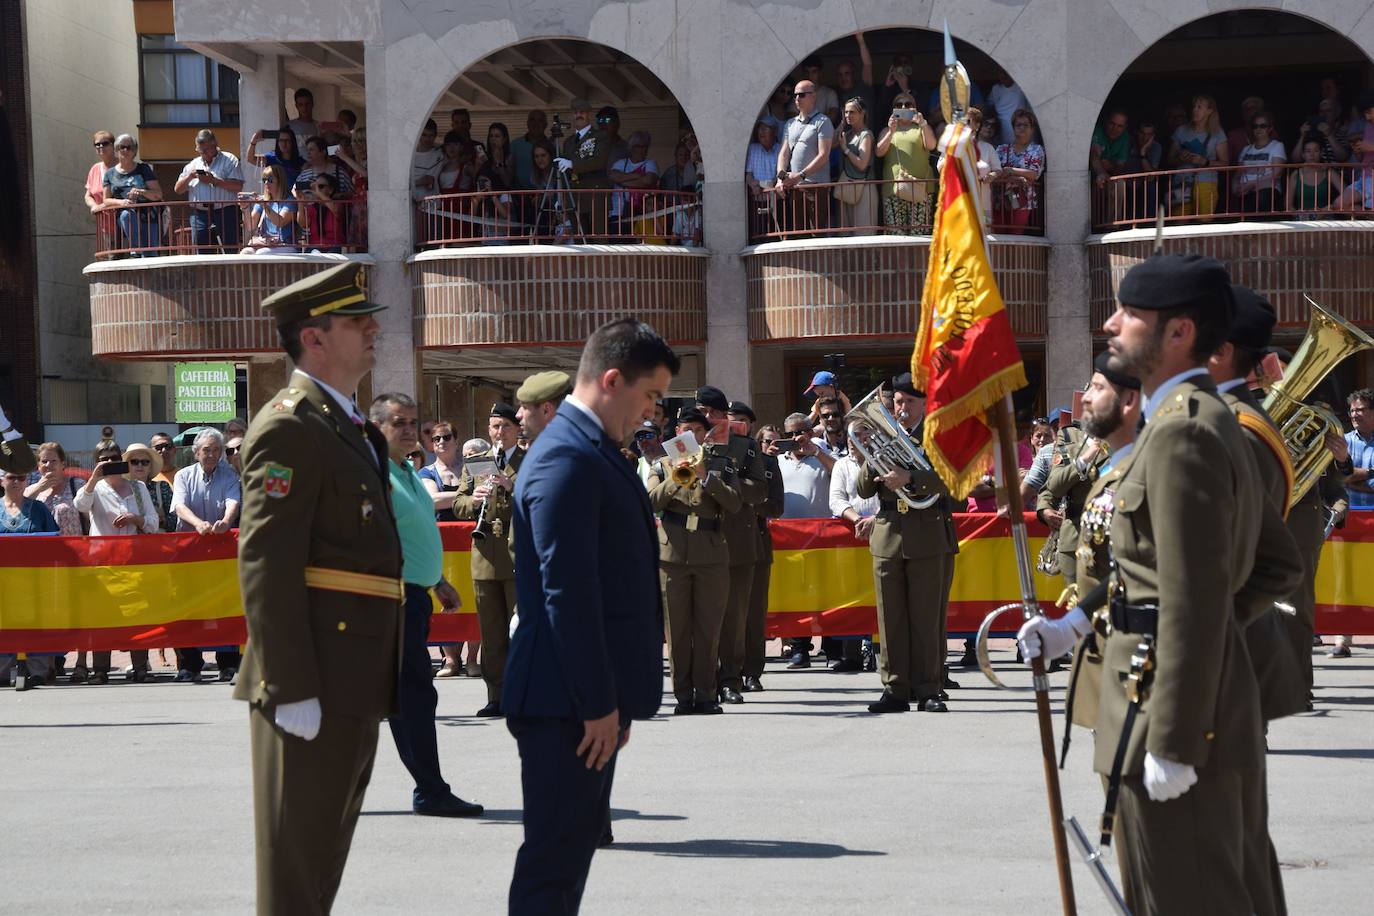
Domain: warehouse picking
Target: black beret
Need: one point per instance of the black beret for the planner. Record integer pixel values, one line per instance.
(904, 384)
(1118, 378)
(1167, 281)
(505, 411)
(692, 415)
(713, 397)
(743, 410)
(1254, 320)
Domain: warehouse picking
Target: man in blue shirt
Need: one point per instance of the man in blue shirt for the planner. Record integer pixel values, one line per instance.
(1360, 441)
(422, 568)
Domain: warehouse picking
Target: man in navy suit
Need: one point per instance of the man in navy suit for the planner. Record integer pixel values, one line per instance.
(587, 655)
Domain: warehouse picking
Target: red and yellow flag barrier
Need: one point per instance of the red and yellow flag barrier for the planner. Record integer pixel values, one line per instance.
(60, 594)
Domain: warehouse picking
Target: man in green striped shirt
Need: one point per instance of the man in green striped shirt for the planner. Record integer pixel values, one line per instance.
(423, 554)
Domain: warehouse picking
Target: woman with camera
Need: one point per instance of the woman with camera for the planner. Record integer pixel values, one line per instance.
(905, 147)
(855, 195)
(129, 183)
(286, 154)
(273, 218)
(117, 502)
(323, 217)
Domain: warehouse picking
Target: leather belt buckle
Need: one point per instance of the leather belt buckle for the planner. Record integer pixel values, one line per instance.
(902, 507)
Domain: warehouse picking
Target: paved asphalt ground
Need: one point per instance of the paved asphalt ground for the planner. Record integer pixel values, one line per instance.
(136, 799)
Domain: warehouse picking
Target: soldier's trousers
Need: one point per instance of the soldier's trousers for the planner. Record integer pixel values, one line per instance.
(694, 603)
(755, 624)
(913, 601)
(1068, 567)
(1306, 526)
(1185, 856)
(306, 799)
(495, 606)
(734, 626)
(1262, 874)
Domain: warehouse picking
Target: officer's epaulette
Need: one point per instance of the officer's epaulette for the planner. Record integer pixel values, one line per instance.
(288, 399)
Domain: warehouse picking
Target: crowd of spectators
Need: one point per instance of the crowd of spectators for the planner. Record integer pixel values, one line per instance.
(537, 186)
(1292, 164)
(312, 195)
(861, 157)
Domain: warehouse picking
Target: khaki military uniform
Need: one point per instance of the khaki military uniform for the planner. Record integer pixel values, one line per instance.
(741, 537)
(320, 572)
(1065, 490)
(694, 569)
(1307, 524)
(1192, 534)
(590, 156)
(913, 569)
(493, 570)
(756, 624)
(16, 457)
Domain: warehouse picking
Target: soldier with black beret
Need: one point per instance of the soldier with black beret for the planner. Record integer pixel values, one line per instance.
(320, 573)
(913, 567)
(740, 526)
(692, 497)
(1199, 553)
(493, 572)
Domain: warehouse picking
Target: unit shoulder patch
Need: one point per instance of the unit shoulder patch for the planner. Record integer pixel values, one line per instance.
(276, 481)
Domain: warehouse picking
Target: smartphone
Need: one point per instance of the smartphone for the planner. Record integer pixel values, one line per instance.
(116, 467)
(332, 150)
(202, 174)
(1076, 411)
(302, 184)
(272, 132)
(904, 114)
(787, 445)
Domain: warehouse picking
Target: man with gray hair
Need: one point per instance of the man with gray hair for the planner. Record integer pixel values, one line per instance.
(212, 181)
(205, 498)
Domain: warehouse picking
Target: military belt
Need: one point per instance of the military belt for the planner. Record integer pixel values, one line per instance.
(691, 522)
(1134, 618)
(354, 583)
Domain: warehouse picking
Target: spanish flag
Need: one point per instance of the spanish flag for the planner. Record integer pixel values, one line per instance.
(966, 357)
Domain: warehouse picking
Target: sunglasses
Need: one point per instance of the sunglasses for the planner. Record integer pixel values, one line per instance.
(799, 434)
(797, 95)
(268, 179)
(140, 462)
(416, 454)
(100, 143)
(830, 416)
(164, 447)
(233, 451)
(646, 435)
(1041, 421)
(442, 437)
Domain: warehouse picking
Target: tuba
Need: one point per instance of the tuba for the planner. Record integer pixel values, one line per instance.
(888, 445)
(1330, 339)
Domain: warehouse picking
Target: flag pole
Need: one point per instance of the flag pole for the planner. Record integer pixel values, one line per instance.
(1009, 494)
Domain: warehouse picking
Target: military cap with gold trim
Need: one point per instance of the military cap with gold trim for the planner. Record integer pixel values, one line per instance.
(544, 386)
(340, 290)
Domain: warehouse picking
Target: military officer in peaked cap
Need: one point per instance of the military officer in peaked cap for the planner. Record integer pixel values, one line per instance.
(320, 573)
(1178, 729)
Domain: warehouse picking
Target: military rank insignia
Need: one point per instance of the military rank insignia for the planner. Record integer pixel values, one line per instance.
(277, 481)
(366, 511)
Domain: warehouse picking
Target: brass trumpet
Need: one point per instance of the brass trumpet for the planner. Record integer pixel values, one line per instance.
(687, 472)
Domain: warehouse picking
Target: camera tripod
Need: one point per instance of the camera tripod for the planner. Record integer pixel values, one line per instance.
(556, 203)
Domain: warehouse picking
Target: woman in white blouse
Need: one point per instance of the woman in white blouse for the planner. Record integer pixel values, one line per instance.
(121, 503)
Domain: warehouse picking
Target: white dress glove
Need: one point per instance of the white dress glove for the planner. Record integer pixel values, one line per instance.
(1042, 635)
(300, 719)
(1165, 779)
(563, 164)
(514, 622)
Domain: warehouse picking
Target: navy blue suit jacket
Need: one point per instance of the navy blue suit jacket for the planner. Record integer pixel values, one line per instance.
(590, 637)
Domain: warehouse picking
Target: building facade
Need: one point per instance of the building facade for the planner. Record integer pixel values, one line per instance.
(753, 316)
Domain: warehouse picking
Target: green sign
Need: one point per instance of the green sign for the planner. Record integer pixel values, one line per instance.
(204, 392)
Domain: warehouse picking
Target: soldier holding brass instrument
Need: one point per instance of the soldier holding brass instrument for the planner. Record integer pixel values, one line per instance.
(691, 496)
(493, 573)
(913, 546)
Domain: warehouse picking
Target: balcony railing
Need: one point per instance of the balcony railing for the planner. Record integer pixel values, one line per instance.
(824, 210)
(560, 217)
(181, 227)
(1307, 191)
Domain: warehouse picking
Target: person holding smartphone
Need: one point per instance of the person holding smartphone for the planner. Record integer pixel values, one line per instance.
(212, 181)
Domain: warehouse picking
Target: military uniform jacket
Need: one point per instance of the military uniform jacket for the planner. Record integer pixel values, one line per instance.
(16, 457)
(1066, 482)
(770, 508)
(590, 157)
(491, 558)
(708, 500)
(316, 494)
(914, 534)
(751, 478)
(1189, 533)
